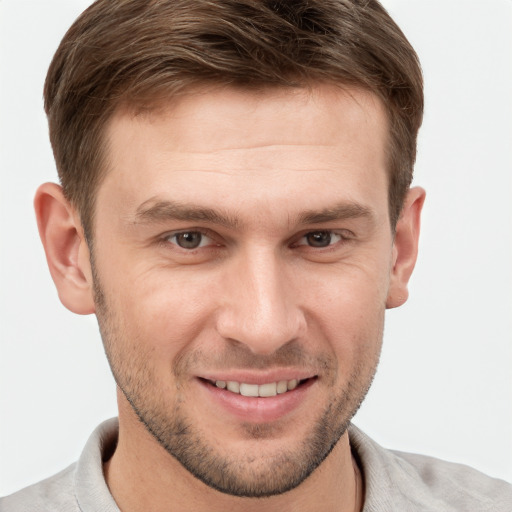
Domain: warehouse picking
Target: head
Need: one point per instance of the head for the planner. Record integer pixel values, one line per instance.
(235, 208)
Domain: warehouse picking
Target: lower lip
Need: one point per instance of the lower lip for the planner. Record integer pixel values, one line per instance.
(258, 409)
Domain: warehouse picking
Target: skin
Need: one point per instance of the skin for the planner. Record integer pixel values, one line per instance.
(262, 177)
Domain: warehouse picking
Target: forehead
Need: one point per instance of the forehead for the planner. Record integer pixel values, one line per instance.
(325, 111)
(247, 148)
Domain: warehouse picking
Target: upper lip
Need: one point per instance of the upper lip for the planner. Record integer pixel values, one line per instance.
(257, 377)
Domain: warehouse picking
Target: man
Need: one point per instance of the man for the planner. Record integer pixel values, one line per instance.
(235, 208)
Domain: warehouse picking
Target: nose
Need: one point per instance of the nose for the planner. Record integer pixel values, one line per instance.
(260, 308)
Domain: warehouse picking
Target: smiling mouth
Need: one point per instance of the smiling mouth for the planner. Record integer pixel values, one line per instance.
(268, 389)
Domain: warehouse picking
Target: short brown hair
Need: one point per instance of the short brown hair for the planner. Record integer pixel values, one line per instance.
(133, 52)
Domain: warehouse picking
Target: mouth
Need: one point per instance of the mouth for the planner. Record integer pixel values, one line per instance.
(265, 390)
(255, 398)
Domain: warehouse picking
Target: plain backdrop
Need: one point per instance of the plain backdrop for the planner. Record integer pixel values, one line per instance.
(444, 386)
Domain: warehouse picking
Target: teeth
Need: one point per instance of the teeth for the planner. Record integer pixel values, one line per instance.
(249, 389)
(282, 386)
(268, 389)
(262, 390)
(292, 384)
(233, 386)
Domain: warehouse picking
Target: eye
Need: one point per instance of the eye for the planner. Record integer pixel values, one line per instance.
(189, 239)
(320, 239)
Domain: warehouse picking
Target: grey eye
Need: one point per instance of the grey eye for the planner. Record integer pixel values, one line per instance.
(188, 239)
(319, 238)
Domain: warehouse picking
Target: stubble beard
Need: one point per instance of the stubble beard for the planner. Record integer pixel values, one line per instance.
(251, 475)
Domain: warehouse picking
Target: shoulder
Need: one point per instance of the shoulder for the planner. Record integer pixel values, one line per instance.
(404, 481)
(79, 488)
(54, 493)
(458, 484)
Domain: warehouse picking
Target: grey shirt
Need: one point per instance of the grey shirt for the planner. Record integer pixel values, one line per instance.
(394, 481)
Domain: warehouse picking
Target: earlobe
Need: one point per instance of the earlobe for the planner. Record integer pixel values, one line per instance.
(66, 249)
(405, 247)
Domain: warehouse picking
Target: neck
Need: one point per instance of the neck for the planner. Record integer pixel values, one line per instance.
(142, 476)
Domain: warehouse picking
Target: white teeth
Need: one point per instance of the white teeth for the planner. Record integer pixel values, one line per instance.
(292, 384)
(249, 389)
(282, 386)
(233, 386)
(268, 389)
(262, 390)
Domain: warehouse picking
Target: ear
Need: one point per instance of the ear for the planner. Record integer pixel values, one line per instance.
(405, 247)
(66, 249)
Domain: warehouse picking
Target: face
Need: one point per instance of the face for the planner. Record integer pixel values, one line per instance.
(242, 264)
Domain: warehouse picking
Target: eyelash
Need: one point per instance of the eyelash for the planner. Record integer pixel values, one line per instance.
(344, 237)
(166, 239)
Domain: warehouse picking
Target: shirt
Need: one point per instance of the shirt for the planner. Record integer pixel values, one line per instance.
(394, 481)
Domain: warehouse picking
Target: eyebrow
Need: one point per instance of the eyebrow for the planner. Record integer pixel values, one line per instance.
(341, 211)
(154, 210)
(162, 210)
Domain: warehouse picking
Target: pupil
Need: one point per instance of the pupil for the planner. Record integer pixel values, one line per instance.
(319, 239)
(190, 240)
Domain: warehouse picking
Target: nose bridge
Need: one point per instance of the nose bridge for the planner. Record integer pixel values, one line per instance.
(260, 311)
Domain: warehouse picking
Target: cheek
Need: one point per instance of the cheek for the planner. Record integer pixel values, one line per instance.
(347, 311)
(164, 311)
